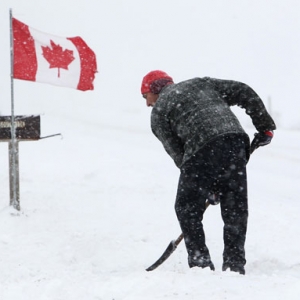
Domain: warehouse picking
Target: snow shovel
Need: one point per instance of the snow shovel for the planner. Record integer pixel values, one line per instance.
(174, 243)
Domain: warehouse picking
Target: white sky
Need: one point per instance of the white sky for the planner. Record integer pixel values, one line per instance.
(253, 41)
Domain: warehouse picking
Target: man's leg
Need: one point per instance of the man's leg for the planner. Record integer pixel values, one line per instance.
(234, 208)
(190, 206)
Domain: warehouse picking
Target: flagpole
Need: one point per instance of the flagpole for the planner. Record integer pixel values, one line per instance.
(13, 147)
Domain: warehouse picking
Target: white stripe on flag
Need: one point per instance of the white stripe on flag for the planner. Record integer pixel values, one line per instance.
(67, 78)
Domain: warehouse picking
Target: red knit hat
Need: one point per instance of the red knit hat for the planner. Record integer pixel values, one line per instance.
(154, 81)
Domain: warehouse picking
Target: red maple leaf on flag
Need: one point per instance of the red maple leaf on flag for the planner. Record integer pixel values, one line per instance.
(57, 57)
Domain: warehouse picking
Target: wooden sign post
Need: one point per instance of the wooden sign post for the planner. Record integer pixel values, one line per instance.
(27, 128)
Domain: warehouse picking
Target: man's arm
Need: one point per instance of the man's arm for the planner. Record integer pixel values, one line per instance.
(162, 130)
(238, 93)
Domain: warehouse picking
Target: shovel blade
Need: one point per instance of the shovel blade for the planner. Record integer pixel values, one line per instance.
(170, 249)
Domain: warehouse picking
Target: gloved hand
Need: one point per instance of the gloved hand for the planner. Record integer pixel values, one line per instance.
(261, 139)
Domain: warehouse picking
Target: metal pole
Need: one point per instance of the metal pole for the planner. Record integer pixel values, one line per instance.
(13, 149)
(14, 186)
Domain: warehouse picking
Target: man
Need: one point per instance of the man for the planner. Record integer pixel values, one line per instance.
(197, 128)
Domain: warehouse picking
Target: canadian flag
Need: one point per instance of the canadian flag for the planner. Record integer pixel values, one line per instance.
(46, 58)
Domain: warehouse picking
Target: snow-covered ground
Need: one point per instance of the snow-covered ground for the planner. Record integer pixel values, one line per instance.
(97, 209)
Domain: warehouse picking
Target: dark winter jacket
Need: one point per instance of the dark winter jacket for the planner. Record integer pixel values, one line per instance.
(190, 114)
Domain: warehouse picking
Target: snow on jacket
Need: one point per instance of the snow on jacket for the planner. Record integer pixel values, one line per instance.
(190, 114)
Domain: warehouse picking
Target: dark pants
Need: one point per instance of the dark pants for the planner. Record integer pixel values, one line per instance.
(219, 168)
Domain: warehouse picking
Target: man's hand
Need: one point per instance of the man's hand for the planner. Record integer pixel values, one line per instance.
(261, 139)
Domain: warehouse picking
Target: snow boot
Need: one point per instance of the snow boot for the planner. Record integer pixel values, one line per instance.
(234, 268)
(200, 262)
